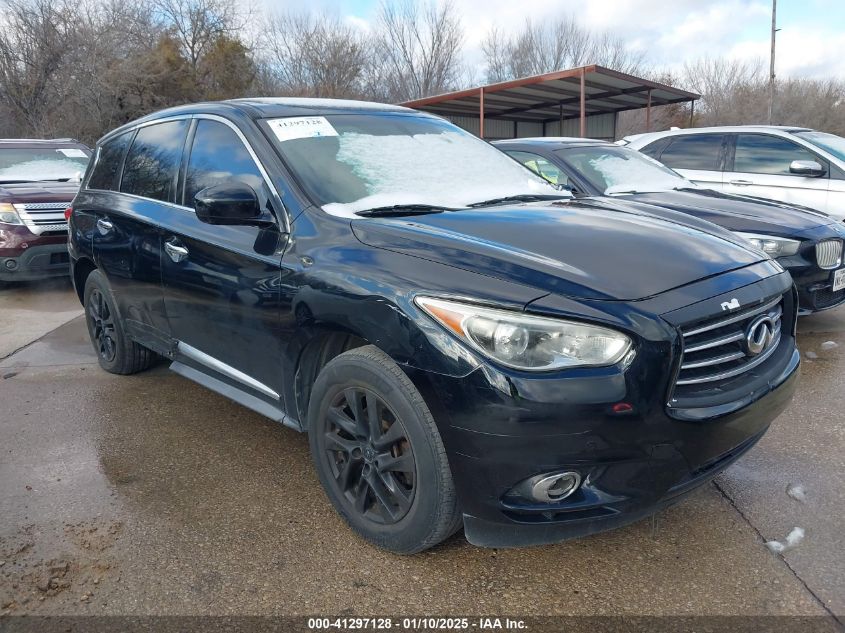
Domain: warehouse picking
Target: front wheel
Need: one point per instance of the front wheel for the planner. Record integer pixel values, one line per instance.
(116, 352)
(379, 455)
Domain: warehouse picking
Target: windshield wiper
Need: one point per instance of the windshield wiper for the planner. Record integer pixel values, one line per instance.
(13, 182)
(403, 209)
(525, 197)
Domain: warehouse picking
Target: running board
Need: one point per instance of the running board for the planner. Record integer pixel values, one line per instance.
(233, 393)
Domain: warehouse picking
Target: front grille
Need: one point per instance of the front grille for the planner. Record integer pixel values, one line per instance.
(829, 253)
(716, 349)
(43, 217)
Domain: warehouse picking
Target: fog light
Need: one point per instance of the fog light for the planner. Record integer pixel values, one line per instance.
(555, 487)
(11, 264)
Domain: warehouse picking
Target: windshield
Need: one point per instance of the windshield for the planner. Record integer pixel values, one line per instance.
(43, 163)
(828, 142)
(617, 170)
(355, 162)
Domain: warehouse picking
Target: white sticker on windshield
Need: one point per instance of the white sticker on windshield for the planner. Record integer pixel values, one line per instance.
(73, 153)
(301, 127)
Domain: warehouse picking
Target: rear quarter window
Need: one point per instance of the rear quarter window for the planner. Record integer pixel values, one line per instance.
(153, 160)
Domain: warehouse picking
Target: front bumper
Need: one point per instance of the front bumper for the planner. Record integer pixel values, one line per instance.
(40, 261)
(632, 464)
(815, 290)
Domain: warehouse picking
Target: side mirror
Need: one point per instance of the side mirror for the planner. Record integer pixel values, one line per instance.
(230, 203)
(806, 168)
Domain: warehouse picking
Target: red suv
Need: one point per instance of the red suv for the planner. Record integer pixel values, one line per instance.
(38, 180)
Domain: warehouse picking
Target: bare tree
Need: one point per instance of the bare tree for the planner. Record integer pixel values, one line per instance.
(420, 45)
(563, 43)
(196, 24)
(316, 55)
(32, 55)
(729, 89)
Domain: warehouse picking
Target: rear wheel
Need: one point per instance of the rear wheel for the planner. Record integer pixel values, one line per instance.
(116, 352)
(379, 455)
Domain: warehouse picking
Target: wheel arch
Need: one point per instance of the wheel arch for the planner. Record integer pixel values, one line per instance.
(83, 267)
(325, 343)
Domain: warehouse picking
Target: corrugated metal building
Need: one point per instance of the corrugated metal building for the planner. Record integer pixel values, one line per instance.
(581, 102)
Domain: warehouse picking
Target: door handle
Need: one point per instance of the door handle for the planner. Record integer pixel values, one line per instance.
(741, 183)
(176, 252)
(104, 226)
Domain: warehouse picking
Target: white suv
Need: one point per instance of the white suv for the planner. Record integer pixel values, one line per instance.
(796, 165)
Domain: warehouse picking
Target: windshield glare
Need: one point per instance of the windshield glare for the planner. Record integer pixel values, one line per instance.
(354, 162)
(828, 142)
(31, 164)
(617, 170)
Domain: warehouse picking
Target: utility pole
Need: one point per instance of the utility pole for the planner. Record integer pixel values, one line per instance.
(772, 61)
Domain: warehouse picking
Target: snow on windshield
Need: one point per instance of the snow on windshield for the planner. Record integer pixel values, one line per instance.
(45, 169)
(449, 169)
(627, 174)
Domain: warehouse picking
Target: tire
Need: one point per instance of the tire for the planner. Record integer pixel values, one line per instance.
(392, 486)
(116, 352)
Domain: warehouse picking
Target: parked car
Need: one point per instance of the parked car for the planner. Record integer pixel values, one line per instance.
(449, 329)
(38, 179)
(807, 243)
(793, 164)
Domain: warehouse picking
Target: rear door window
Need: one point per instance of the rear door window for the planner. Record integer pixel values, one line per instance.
(764, 154)
(694, 151)
(109, 159)
(153, 160)
(218, 156)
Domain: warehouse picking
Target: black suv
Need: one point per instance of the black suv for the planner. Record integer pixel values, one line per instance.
(464, 344)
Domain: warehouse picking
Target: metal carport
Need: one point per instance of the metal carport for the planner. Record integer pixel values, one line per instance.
(542, 105)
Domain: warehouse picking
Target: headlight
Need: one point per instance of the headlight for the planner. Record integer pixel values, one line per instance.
(529, 342)
(8, 214)
(771, 245)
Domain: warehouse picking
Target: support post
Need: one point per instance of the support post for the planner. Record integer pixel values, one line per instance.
(481, 112)
(772, 61)
(691, 111)
(583, 105)
(648, 113)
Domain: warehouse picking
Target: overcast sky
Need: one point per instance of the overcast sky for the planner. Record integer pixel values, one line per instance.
(811, 43)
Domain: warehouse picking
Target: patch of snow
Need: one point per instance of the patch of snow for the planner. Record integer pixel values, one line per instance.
(449, 169)
(44, 169)
(811, 355)
(797, 492)
(828, 345)
(311, 102)
(634, 172)
(793, 540)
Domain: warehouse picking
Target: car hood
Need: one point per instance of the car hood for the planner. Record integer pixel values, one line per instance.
(737, 213)
(42, 191)
(585, 249)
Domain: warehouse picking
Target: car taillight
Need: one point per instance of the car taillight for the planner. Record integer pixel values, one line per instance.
(68, 211)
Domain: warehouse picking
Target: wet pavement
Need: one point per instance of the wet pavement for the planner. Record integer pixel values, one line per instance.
(151, 495)
(31, 310)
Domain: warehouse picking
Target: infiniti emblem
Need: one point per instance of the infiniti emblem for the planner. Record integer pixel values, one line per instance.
(759, 335)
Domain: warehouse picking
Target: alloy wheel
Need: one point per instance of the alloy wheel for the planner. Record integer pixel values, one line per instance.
(101, 322)
(370, 456)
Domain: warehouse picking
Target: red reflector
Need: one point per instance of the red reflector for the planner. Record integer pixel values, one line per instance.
(622, 407)
(68, 211)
